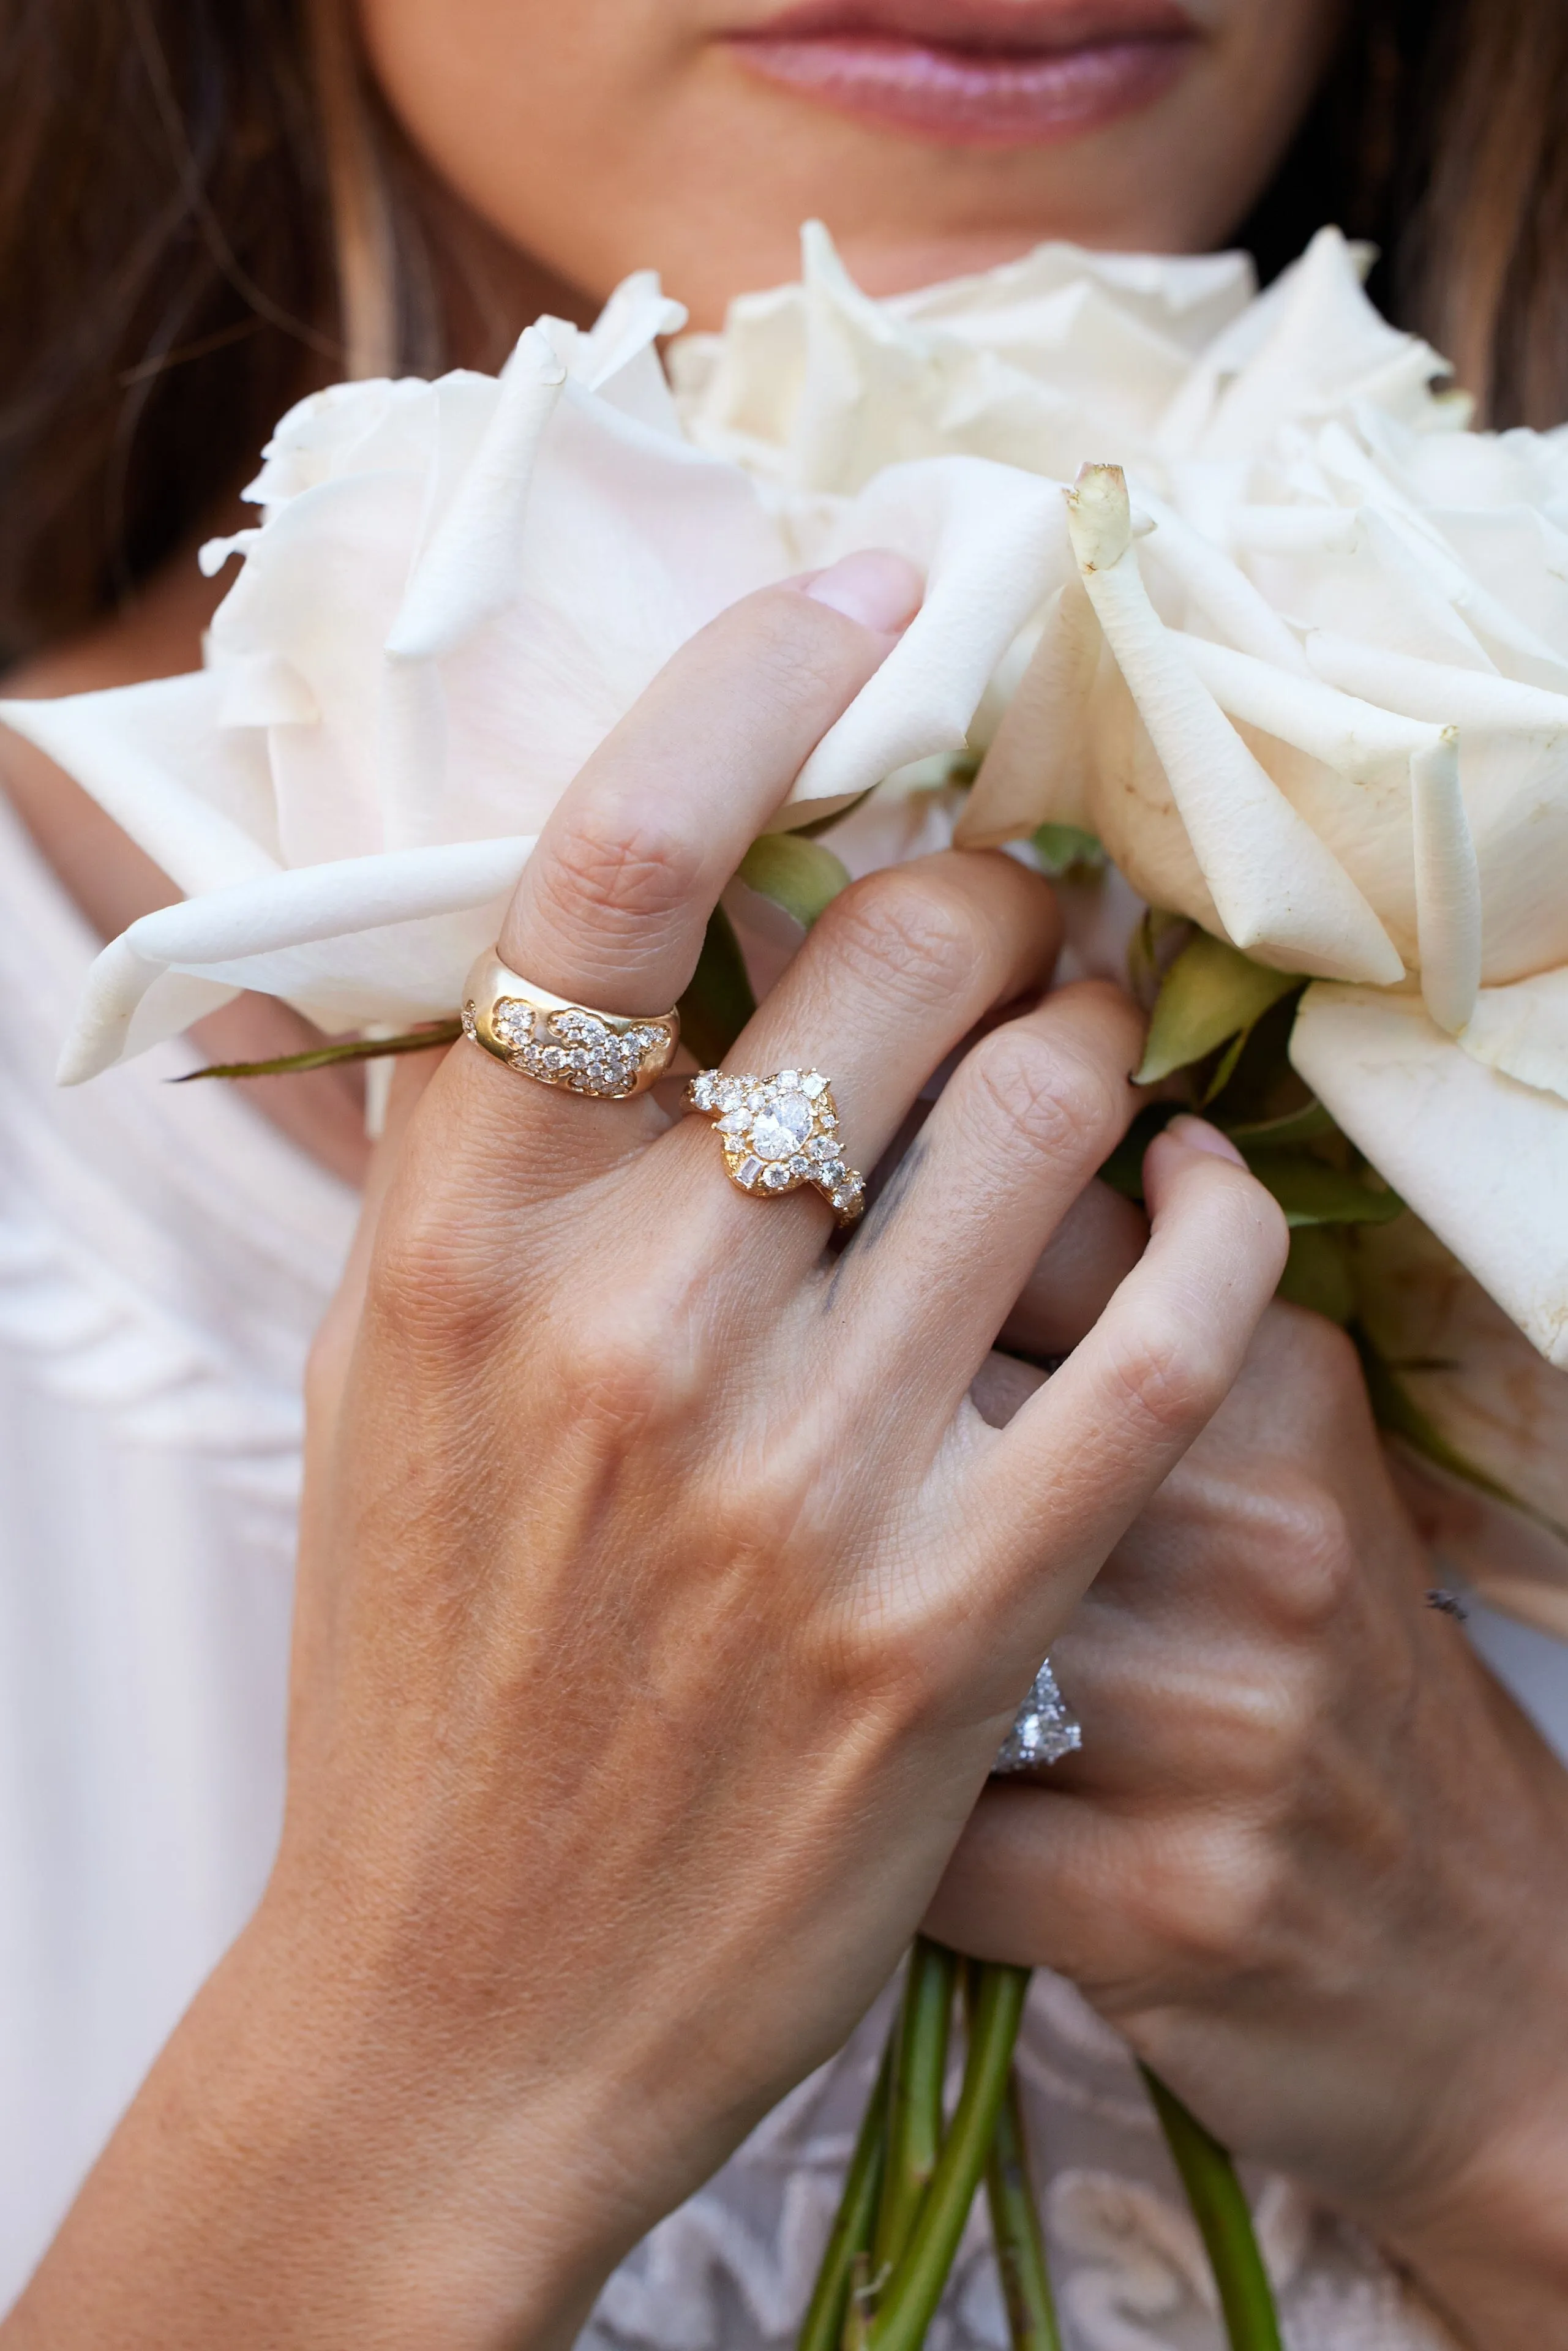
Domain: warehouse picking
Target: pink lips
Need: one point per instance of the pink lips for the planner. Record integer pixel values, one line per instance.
(977, 73)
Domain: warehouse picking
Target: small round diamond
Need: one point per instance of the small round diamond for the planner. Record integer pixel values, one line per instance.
(776, 1178)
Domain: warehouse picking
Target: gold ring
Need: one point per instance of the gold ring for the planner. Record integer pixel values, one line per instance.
(561, 1043)
(780, 1133)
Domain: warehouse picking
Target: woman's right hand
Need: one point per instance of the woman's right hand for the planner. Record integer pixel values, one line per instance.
(664, 1598)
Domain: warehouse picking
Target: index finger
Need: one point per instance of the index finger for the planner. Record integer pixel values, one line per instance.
(615, 901)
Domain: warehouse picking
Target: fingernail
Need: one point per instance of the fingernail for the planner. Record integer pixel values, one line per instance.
(874, 587)
(1197, 1135)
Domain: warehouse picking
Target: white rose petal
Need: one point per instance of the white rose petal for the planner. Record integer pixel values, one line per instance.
(1482, 1159)
(1280, 893)
(458, 589)
(1523, 1031)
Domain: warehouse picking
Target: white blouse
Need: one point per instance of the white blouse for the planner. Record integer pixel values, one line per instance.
(164, 1256)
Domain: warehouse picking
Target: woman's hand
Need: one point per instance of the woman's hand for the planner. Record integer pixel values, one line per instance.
(1310, 1858)
(663, 1597)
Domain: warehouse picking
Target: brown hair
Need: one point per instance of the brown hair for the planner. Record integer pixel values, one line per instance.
(203, 210)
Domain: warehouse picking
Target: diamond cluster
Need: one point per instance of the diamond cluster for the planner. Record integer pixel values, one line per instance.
(779, 1133)
(577, 1049)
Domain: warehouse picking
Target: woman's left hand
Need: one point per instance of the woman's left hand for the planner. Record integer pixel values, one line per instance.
(1312, 1859)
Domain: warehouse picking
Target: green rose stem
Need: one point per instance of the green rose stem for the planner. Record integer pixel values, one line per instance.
(919, 2048)
(908, 2301)
(1015, 2230)
(851, 2234)
(425, 1039)
(1221, 2210)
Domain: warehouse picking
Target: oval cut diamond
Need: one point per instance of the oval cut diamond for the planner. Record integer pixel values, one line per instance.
(778, 1132)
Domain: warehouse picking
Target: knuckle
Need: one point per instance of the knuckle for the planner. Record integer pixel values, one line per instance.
(621, 1362)
(432, 1286)
(1167, 1375)
(1312, 1567)
(621, 865)
(1208, 1897)
(897, 930)
(1028, 1093)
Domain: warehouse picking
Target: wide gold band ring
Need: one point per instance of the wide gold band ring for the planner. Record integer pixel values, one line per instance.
(779, 1134)
(560, 1044)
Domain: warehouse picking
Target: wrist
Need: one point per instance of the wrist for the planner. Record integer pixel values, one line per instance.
(302, 2168)
(1491, 2248)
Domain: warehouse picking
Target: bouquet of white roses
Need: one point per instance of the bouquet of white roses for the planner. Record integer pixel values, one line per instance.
(1222, 595)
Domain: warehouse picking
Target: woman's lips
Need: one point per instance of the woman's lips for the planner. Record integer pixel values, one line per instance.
(976, 76)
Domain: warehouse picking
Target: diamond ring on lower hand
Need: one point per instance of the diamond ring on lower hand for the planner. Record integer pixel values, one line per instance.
(780, 1133)
(1046, 1728)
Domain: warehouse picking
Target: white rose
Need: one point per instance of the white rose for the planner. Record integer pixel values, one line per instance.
(1063, 358)
(456, 590)
(1316, 697)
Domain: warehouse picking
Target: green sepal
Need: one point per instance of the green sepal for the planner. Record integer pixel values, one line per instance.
(1309, 1125)
(424, 1040)
(799, 875)
(718, 1003)
(1066, 849)
(1210, 994)
(1318, 1274)
(1311, 1191)
(1224, 1068)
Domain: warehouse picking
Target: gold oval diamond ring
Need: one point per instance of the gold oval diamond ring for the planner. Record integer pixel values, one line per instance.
(780, 1133)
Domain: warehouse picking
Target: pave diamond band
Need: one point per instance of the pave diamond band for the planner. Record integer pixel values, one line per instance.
(561, 1043)
(779, 1134)
(1045, 1730)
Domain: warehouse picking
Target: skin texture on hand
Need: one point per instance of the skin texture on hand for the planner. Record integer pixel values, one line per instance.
(1311, 1857)
(663, 1595)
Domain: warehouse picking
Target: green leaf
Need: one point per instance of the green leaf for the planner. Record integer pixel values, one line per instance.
(717, 1005)
(799, 875)
(321, 1057)
(1311, 1191)
(1396, 1410)
(1317, 1273)
(1066, 849)
(1146, 957)
(1209, 993)
(1224, 1068)
(1309, 1125)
